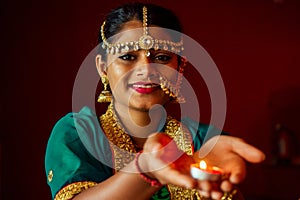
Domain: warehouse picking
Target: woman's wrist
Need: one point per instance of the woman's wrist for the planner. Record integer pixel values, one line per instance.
(148, 177)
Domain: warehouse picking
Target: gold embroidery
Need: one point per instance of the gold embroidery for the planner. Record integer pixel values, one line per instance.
(180, 135)
(71, 190)
(183, 139)
(229, 195)
(120, 141)
(182, 193)
(50, 176)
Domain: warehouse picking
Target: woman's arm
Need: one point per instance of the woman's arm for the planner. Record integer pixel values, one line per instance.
(126, 184)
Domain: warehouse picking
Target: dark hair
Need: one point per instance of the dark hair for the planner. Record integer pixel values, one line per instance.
(157, 15)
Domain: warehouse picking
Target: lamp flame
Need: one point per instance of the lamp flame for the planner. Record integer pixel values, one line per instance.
(203, 164)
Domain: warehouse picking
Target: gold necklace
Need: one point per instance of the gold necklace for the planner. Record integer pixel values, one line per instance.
(120, 142)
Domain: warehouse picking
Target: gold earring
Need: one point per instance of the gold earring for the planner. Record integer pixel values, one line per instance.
(105, 96)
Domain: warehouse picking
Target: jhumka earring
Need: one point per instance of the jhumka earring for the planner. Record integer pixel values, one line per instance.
(105, 96)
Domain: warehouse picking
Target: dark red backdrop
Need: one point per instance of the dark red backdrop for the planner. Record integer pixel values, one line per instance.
(255, 44)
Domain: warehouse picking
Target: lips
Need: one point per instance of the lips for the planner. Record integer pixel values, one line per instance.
(144, 87)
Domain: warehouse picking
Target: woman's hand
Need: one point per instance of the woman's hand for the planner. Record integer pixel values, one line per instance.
(162, 160)
(229, 153)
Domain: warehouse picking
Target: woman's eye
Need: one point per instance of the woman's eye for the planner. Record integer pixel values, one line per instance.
(128, 57)
(163, 58)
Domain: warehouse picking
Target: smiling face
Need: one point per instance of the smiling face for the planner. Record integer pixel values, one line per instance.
(134, 77)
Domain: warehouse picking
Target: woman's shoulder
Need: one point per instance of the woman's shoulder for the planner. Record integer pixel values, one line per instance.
(66, 128)
(80, 130)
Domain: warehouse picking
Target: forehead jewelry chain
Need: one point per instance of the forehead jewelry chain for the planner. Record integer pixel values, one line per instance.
(145, 42)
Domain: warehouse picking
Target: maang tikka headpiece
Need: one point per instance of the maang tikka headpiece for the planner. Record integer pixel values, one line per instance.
(145, 42)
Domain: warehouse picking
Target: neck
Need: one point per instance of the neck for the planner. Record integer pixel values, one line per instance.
(139, 124)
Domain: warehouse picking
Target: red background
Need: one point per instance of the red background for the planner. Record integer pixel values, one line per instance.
(255, 44)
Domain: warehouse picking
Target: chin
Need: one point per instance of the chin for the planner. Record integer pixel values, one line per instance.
(145, 106)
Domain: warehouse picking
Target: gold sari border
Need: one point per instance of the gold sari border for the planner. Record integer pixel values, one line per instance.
(69, 191)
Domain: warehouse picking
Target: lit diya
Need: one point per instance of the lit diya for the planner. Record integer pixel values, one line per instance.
(201, 171)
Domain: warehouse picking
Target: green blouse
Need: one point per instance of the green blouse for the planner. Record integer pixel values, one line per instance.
(79, 152)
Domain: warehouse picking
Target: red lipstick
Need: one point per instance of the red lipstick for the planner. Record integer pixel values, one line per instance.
(144, 87)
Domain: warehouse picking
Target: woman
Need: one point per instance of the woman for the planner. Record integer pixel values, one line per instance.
(134, 151)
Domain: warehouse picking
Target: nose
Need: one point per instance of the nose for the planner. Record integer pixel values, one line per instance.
(145, 69)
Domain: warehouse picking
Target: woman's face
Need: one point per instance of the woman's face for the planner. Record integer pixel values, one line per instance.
(134, 77)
